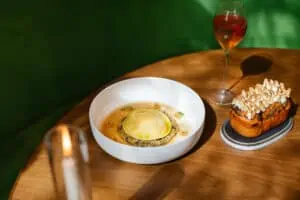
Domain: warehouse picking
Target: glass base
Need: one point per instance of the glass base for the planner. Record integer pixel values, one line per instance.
(222, 97)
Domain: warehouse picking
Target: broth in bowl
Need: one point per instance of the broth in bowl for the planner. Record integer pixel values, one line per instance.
(145, 124)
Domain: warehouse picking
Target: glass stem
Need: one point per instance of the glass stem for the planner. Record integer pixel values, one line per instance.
(225, 71)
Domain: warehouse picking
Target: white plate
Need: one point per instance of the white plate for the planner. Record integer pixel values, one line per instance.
(148, 89)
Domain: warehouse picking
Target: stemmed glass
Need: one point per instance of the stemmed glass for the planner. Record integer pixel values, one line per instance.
(229, 26)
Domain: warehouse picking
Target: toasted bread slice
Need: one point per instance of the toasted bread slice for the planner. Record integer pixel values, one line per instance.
(273, 116)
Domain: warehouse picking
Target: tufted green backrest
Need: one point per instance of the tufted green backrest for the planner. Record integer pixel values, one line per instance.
(273, 23)
(53, 53)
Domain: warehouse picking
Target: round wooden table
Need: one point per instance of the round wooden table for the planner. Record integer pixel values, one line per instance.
(212, 170)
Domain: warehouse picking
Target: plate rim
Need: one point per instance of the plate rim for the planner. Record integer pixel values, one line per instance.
(285, 130)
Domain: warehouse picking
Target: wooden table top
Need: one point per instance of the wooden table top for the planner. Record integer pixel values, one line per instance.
(212, 170)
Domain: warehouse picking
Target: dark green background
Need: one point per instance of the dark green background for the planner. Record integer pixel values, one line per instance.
(53, 53)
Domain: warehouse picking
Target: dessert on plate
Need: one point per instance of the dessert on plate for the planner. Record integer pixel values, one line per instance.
(144, 124)
(261, 108)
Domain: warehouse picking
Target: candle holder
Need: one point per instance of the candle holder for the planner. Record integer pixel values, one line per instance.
(68, 157)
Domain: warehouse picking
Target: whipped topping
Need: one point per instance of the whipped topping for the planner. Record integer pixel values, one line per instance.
(259, 98)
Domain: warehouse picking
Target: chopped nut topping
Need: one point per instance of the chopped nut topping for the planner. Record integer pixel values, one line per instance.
(259, 98)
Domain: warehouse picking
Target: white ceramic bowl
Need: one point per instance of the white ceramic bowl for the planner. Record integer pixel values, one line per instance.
(148, 89)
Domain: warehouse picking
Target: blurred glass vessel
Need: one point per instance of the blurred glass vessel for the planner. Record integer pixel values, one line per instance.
(68, 156)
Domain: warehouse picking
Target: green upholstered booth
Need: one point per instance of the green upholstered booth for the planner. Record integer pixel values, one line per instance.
(54, 53)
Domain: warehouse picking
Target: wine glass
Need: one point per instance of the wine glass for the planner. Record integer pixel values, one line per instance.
(229, 26)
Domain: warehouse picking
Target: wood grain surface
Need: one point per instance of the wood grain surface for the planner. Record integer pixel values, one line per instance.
(212, 170)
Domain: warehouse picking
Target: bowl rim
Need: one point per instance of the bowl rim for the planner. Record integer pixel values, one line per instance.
(198, 128)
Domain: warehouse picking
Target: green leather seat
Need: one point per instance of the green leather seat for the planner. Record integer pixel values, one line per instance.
(54, 53)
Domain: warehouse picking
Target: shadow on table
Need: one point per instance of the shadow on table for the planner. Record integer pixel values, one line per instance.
(294, 109)
(253, 65)
(161, 184)
(294, 195)
(210, 126)
(206, 182)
